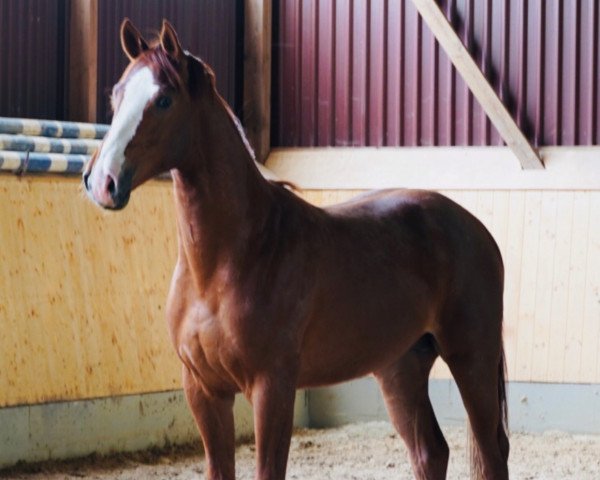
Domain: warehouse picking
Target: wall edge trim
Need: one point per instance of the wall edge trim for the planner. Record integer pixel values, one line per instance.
(435, 168)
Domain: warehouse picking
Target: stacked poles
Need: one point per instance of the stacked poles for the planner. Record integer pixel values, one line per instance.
(47, 145)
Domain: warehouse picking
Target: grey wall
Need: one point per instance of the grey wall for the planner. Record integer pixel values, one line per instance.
(533, 407)
(118, 424)
(134, 422)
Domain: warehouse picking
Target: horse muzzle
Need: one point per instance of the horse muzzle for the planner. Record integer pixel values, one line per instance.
(107, 190)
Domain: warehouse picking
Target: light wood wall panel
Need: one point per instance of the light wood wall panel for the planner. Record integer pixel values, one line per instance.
(83, 291)
(550, 242)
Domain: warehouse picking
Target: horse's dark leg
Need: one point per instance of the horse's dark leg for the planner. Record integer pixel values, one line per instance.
(404, 386)
(214, 417)
(477, 378)
(273, 402)
(470, 341)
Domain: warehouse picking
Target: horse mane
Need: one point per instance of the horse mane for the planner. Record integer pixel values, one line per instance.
(232, 116)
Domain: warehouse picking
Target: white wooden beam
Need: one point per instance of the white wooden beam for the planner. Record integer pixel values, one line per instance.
(434, 168)
(482, 90)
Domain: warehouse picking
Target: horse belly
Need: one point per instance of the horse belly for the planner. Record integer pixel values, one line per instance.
(335, 351)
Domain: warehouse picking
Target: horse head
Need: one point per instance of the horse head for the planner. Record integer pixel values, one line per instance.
(152, 103)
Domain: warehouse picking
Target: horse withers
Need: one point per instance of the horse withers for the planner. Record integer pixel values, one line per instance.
(271, 294)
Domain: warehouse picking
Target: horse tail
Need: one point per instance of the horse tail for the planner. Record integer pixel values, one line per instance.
(475, 458)
(503, 425)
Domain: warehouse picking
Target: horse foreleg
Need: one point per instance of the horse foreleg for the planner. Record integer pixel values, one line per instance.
(404, 386)
(273, 402)
(214, 417)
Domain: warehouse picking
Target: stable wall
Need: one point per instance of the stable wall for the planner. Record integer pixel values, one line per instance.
(83, 294)
(82, 303)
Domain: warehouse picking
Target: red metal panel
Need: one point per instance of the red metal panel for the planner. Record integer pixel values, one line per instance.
(394, 73)
(325, 73)
(341, 64)
(289, 62)
(464, 101)
(376, 84)
(571, 64)
(589, 73)
(537, 39)
(308, 84)
(33, 59)
(482, 32)
(209, 29)
(552, 99)
(412, 78)
(429, 88)
(596, 84)
(446, 127)
(378, 71)
(358, 78)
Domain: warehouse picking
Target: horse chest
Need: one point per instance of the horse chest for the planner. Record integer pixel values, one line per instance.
(212, 347)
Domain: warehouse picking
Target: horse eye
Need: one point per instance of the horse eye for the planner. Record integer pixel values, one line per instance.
(163, 102)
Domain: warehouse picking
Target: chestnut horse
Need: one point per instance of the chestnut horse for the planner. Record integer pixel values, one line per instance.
(271, 294)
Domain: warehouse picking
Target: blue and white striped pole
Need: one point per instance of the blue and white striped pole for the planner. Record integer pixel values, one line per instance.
(37, 146)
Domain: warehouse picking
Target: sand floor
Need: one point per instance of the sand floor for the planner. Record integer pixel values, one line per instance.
(367, 451)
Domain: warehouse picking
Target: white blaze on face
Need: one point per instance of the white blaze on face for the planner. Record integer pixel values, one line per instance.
(138, 91)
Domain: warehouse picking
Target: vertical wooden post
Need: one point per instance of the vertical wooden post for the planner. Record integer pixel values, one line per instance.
(257, 75)
(83, 65)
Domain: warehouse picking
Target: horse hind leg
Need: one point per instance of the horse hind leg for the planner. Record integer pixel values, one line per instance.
(405, 389)
(477, 365)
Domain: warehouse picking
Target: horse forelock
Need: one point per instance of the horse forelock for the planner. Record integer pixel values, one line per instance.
(164, 66)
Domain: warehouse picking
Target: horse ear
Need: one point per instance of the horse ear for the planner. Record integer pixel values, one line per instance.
(169, 41)
(132, 42)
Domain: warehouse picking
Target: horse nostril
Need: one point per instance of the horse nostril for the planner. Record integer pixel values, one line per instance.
(86, 176)
(110, 187)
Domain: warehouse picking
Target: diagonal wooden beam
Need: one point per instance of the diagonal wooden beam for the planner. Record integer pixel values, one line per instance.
(480, 87)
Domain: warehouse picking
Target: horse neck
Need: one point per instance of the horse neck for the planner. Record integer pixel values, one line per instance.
(220, 196)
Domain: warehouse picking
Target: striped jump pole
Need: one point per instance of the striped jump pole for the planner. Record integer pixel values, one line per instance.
(37, 146)
(34, 162)
(22, 143)
(52, 128)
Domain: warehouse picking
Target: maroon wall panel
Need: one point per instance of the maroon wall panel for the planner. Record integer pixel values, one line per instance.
(210, 29)
(32, 58)
(369, 72)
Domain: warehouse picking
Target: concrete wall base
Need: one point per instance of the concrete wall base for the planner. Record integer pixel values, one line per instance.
(60, 430)
(533, 407)
(134, 422)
